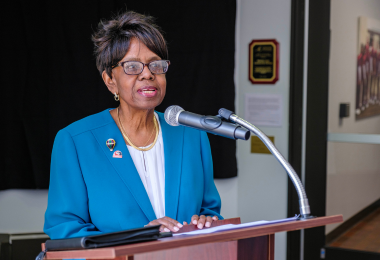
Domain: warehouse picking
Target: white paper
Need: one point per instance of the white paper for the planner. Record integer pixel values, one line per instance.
(235, 226)
(263, 109)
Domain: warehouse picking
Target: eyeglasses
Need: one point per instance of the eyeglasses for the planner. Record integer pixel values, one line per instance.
(136, 67)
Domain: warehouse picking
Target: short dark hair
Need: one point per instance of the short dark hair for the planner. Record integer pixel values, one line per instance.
(112, 38)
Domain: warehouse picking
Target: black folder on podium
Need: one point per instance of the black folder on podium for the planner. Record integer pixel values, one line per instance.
(109, 239)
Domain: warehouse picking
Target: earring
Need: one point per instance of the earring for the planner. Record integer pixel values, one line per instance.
(116, 97)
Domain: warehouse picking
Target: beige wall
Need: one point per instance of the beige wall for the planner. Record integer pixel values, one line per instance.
(353, 170)
(353, 178)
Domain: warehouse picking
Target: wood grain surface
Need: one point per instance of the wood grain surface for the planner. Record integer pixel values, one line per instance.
(191, 240)
(364, 236)
(125, 257)
(209, 251)
(221, 250)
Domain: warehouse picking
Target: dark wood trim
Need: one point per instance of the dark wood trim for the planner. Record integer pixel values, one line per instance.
(254, 248)
(5, 251)
(349, 223)
(334, 253)
(118, 258)
(295, 116)
(271, 247)
(4, 238)
(316, 124)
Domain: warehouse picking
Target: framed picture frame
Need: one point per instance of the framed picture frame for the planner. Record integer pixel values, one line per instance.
(263, 61)
(368, 69)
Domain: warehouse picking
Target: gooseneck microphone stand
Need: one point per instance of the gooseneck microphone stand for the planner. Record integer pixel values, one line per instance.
(303, 201)
(175, 116)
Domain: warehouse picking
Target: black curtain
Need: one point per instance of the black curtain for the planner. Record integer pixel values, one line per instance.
(49, 78)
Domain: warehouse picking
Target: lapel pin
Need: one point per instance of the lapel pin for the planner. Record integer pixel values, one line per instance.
(117, 154)
(111, 144)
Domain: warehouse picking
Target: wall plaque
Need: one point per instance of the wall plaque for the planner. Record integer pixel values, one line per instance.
(263, 61)
(257, 146)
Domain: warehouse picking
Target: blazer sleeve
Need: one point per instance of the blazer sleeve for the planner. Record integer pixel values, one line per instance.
(67, 213)
(211, 203)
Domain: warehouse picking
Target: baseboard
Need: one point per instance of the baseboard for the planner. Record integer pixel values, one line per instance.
(335, 253)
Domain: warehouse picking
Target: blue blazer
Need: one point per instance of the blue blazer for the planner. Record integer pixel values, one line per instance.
(91, 192)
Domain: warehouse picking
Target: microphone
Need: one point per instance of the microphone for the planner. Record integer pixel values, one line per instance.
(176, 115)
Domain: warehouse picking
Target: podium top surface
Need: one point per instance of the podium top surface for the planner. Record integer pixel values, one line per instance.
(189, 240)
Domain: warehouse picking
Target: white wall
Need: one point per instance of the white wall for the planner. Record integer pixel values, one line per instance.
(262, 182)
(353, 170)
(228, 191)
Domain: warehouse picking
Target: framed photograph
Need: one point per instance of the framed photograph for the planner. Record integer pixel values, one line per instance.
(368, 69)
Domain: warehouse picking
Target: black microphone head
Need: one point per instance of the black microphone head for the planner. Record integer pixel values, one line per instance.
(171, 115)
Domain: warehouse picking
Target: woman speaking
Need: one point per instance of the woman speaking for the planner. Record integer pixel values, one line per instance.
(125, 168)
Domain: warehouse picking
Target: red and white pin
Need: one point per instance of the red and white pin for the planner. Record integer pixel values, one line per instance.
(117, 154)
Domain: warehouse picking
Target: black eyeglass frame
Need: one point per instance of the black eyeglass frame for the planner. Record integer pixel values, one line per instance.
(144, 64)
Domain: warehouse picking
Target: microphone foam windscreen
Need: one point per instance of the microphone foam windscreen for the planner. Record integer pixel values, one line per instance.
(171, 115)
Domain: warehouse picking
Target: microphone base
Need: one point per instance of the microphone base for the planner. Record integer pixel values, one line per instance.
(305, 216)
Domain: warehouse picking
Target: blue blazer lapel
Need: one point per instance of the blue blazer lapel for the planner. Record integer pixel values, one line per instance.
(173, 144)
(124, 166)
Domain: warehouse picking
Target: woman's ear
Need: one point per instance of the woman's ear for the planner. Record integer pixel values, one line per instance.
(110, 83)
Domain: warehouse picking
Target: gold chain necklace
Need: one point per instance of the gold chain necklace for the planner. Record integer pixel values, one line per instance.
(129, 140)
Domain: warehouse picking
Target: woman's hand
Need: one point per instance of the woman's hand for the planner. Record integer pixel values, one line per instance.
(167, 224)
(201, 221)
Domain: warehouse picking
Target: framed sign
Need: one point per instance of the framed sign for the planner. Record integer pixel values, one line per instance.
(368, 69)
(263, 61)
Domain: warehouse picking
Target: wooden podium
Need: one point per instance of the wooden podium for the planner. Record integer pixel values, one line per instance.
(254, 243)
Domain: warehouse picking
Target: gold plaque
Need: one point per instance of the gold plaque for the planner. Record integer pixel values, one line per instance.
(257, 146)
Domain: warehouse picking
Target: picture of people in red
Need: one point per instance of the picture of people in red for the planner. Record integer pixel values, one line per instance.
(368, 75)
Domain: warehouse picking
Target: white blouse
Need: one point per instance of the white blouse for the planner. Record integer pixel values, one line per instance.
(151, 167)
